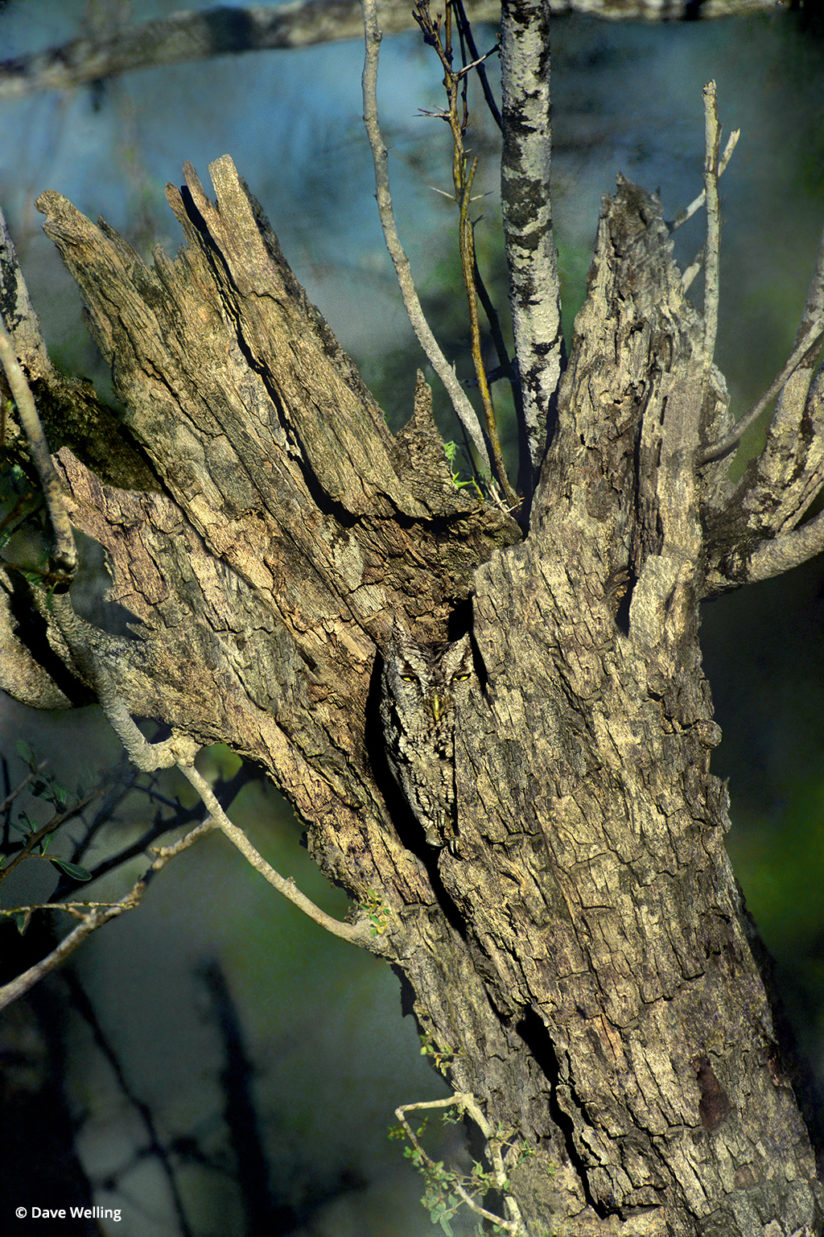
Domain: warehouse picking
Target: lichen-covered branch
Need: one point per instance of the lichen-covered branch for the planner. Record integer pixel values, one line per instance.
(529, 239)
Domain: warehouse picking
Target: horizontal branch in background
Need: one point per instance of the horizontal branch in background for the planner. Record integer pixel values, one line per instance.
(224, 30)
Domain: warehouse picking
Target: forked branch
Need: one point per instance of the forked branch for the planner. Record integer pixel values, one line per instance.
(802, 351)
(463, 176)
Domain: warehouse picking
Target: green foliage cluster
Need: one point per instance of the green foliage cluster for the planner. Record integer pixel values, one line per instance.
(446, 1190)
(376, 911)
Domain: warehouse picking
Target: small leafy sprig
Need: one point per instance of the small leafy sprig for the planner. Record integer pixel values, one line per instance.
(447, 1190)
(441, 1058)
(450, 451)
(376, 911)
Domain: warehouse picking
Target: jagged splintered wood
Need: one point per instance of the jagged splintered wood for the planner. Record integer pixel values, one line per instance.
(581, 959)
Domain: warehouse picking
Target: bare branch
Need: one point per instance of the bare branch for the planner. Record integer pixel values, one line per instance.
(799, 354)
(465, 31)
(64, 556)
(463, 408)
(712, 136)
(356, 933)
(96, 918)
(696, 204)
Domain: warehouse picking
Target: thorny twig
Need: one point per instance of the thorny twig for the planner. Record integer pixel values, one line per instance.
(463, 408)
(463, 174)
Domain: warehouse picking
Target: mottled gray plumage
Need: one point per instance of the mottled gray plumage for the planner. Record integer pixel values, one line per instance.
(422, 690)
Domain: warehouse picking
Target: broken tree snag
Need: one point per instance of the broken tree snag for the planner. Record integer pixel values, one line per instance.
(289, 532)
(593, 880)
(578, 956)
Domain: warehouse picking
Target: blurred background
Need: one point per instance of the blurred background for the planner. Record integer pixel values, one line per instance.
(141, 1032)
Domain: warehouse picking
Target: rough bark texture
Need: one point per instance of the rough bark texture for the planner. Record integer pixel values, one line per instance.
(581, 951)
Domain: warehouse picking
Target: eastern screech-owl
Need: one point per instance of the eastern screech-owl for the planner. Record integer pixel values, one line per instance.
(422, 690)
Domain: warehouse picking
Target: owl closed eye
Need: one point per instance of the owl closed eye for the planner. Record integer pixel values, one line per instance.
(422, 690)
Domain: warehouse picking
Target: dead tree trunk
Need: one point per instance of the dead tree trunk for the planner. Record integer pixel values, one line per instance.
(579, 957)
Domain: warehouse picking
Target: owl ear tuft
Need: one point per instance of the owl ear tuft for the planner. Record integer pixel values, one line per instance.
(458, 657)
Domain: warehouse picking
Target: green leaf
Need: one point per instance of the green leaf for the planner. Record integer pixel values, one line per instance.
(59, 794)
(23, 824)
(21, 918)
(25, 753)
(73, 870)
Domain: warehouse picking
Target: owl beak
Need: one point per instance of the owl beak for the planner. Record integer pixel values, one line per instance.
(437, 704)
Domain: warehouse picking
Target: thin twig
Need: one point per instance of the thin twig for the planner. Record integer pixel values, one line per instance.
(468, 265)
(712, 137)
(38, 835)
(77, 910)
(463, 408)
(809, 341)
(18, 790)
(64, 557)
(463, 175)
(696, 204)
(22, 983)
(357, 933)
(505, 367)
(466, 33)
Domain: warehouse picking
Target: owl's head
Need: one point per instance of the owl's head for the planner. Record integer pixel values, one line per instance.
(427, 681)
